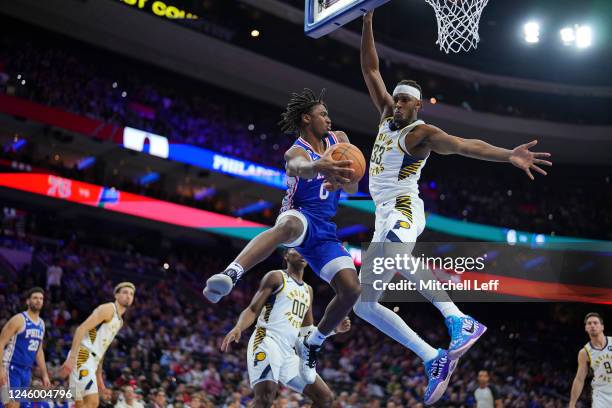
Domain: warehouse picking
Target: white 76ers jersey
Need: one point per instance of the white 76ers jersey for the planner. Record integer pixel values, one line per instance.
(393, 172)
(600, 361)
(284, 311)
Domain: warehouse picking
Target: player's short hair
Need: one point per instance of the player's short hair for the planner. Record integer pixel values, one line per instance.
(35, 289)
(124, 285)
(593, 314)
(299, 104)
(411, 82)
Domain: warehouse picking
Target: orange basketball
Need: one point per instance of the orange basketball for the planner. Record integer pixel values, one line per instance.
(347, 151)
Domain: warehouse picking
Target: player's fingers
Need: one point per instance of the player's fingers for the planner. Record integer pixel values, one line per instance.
(529, 174)
(531, 144)
(344, 171)
(544, 162)
(538, 169)
(541, 154)
(343, 163)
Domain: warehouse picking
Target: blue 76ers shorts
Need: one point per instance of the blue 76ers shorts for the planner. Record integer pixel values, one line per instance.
(18, 377)
(319, 245)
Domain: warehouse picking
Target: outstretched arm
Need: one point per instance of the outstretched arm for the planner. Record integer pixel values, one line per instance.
(581, 374)
(521, 157)
(271, 282)
(370, 69)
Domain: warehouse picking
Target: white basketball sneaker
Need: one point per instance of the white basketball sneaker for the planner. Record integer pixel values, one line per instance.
(220, 284)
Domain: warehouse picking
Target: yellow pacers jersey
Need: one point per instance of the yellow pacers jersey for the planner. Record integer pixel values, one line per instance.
(284, 311)
(600, 361)
(97, 340)
(393, 172)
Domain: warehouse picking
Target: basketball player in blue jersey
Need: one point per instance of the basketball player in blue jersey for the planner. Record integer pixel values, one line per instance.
(282, 311)
(401, 149)
(20, 346)
(305, 219)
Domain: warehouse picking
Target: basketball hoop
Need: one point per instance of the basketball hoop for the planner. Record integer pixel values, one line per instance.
(458, 23)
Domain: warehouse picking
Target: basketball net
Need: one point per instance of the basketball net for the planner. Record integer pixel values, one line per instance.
(458, 23)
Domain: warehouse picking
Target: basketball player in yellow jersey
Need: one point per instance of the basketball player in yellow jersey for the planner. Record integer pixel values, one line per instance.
(597, 356)
(91, 339)
(400, 151)
(283, 309)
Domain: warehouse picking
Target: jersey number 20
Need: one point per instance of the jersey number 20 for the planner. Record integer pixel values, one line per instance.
(33, 345)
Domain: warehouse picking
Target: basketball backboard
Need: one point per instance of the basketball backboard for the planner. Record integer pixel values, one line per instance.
(324, 16)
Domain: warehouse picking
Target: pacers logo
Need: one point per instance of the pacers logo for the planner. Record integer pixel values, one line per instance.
(260, 356)
(83, 373)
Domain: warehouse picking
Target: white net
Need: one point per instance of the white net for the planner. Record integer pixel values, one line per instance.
(458, 23)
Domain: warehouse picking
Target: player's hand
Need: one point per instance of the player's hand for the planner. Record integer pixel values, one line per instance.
(234, 335)
(367, 17)
(527, 160)
(105, 393)
(344, 326)
(3, 376)
(67, 367)
(45, 380)
(335, 171)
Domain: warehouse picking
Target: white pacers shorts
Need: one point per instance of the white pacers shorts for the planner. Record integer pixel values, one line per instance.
(83, 376)
(401, 219)
(271, 360)
(602, 399)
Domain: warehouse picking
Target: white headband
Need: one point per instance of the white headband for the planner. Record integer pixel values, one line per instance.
(407, 89)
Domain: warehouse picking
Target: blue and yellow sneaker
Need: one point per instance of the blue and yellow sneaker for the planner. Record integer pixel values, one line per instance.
(439, 371)
(464, 332)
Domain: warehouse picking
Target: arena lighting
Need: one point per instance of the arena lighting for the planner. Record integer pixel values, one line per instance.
(149, 178)
(531, 31)
(255, 33)
(568, 36)
(580, 36)
(584, 36)
(86, 162)
(253, 208)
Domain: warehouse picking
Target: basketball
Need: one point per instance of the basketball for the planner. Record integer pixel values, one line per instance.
(347, 151)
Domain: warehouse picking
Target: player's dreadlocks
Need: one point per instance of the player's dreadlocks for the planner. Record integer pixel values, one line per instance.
(298, 105)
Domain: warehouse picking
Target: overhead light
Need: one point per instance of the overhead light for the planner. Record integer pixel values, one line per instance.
(255, 33)
(568, 35)
(580, 36)
(531, 31)
(584, 36)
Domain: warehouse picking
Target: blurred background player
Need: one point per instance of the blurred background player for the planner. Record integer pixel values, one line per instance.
(21, 344)
(400, 152)
(305, 221)
(283, 309)
(596, 355)
(91, 339)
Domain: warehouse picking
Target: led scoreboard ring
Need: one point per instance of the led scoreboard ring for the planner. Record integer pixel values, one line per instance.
(324, 16)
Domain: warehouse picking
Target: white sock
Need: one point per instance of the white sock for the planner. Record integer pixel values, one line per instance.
(448, 308)
(237, 267)
(394, 326)
(438, 298)
(315, 338)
